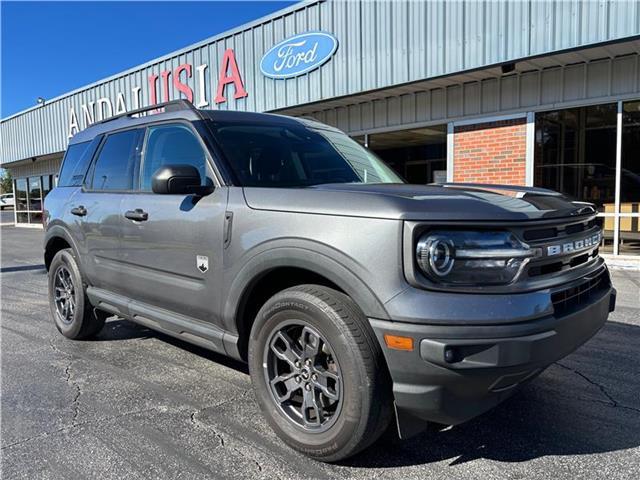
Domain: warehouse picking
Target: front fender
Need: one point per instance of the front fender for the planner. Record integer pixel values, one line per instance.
(305, 258)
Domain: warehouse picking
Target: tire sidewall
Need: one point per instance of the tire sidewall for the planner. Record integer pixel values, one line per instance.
(293, 305)
(66, 258)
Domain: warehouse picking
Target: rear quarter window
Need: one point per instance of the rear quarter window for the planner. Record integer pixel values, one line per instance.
(75, 164)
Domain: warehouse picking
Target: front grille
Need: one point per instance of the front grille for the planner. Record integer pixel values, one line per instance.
(568, 300)
(556, 232)
(561, 265)
(548, 265)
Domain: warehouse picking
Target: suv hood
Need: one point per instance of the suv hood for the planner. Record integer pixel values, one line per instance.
(420, 202)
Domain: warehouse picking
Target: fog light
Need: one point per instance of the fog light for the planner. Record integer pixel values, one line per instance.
(449, 355)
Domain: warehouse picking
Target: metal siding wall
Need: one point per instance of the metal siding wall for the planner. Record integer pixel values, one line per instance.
(382, 43)
(33, 169)
(600, 81)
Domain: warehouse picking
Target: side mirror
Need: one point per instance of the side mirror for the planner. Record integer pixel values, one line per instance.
(178, 180)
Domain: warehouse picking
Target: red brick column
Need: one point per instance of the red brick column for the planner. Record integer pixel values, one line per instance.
(493, 152)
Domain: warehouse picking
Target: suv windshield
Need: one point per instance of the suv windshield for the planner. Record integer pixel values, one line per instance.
(297, 156)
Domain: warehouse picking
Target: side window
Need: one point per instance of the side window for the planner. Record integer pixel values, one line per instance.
(116, 162)
(74, 165)
(171, 145)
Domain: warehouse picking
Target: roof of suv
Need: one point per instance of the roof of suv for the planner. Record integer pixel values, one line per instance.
(184, 110)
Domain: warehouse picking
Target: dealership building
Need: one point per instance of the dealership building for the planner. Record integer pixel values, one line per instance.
(536, 93)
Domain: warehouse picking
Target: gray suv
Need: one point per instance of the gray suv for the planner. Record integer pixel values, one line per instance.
(358, 301)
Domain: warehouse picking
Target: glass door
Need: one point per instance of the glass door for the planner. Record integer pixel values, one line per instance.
(629, 206)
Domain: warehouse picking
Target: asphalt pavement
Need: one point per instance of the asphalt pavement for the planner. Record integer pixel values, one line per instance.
(6, 216)
(136, 404)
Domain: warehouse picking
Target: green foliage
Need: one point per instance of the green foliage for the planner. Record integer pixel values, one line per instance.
(6, 182)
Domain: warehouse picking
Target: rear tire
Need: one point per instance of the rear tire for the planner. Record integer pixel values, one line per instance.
(338, 401)
(73, 315)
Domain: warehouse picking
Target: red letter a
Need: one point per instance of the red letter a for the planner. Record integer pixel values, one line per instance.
(229, 60)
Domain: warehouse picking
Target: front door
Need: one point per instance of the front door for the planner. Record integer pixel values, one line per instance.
(172, 244)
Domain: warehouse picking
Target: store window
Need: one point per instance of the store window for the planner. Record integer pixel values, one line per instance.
(30, 194)
(575, 153)
(35, 194)
(418, 155)
(21, 199)
(629, 210)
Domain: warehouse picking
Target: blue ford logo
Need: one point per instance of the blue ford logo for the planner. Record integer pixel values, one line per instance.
(298, 54)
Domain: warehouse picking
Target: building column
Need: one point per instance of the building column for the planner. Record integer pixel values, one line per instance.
(491, 152)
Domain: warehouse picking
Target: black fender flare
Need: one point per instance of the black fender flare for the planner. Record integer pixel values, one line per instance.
(299, 257)
(59, 231)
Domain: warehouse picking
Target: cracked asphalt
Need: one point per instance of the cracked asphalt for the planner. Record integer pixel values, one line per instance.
(136, 404)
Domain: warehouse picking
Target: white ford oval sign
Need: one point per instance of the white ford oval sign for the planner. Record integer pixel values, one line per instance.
(298, 54)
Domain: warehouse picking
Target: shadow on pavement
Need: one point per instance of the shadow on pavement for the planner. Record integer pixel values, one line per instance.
(119, 329)
(23, 268)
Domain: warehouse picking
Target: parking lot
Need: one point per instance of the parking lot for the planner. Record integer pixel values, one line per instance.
(6, 216)
(136, 404)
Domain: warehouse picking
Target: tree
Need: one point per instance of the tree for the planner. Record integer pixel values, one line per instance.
(6, 182)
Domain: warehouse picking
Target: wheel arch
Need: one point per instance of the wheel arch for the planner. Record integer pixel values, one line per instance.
(57, 238)
(273, 271)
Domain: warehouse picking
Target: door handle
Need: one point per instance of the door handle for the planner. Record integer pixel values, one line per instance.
(79, 211)
(138, 214)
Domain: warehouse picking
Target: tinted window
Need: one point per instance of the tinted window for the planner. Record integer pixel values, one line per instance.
(291, 156)
(35, 194)
(630, 174)
(46, 185)
(21, 194)
(115, 164)
(576, 153)
(171, 145)
(74, 166)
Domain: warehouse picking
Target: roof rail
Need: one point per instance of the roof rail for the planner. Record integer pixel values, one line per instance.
(172, 106)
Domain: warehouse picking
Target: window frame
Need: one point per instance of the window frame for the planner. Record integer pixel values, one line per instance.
(87, 186)
(89, 145)
(211, 167)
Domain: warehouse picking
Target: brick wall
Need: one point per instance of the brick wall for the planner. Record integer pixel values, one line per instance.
(493, 152)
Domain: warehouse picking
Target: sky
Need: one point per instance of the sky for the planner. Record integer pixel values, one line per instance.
(50, 48)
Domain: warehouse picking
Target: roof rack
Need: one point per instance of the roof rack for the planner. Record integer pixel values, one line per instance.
(172, 106)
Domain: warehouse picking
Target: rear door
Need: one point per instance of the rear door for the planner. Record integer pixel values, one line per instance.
(173, 259)
(97, 207)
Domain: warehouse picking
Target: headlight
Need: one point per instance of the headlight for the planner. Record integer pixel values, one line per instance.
(471, 257)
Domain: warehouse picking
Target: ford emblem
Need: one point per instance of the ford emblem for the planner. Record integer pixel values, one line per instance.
(299, 54)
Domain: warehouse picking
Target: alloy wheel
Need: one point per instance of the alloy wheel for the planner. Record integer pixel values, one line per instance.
(303, 376)
(64, 294)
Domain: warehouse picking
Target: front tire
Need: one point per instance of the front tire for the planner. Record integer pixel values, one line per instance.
(318, 373)
(73, 315)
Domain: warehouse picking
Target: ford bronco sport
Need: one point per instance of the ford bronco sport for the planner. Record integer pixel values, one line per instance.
(356, 299)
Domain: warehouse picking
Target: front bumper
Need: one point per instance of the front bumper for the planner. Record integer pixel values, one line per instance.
(485, 362)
